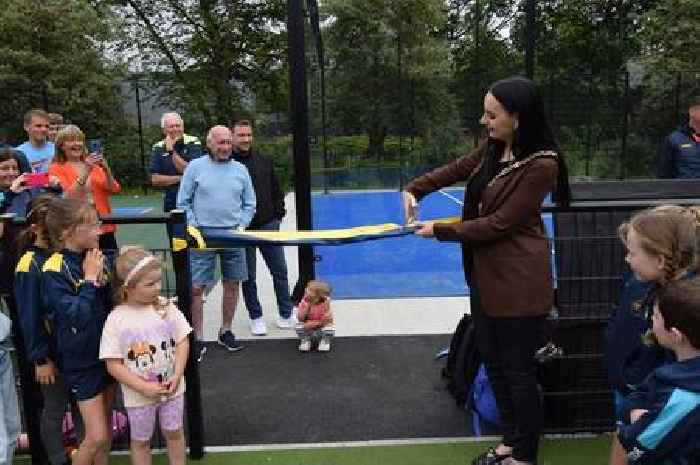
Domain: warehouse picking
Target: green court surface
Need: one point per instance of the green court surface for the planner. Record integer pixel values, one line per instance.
(578, 451)
(152, 236)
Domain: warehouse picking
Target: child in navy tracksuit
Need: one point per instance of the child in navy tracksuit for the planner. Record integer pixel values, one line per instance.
(661, 418)
(37, 327)
(75, 291)
(661, 248)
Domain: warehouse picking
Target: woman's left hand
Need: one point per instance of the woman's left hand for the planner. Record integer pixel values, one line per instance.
(425, 229)
(18, 185)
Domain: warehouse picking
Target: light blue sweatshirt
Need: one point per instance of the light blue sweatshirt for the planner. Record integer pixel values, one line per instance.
(216, 194)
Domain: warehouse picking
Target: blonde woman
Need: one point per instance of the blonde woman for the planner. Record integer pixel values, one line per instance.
(85, 176)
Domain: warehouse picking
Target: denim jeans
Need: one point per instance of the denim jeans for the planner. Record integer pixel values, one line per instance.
(9, 409)
(276, 263)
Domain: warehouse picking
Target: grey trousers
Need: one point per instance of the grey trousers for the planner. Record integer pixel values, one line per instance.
(56, 398)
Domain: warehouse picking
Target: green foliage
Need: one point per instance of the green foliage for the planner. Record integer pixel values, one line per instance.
(51, 57)
(211, 59)
(386, 68)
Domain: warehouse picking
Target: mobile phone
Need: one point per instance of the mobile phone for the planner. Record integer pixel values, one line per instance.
(36, 179)
(95, 146)
(179, 146)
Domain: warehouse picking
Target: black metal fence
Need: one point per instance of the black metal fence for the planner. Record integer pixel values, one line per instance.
(589, 263)
(609, 127)
(177, 284)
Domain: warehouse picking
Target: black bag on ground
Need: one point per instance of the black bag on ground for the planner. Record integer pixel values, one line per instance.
(462, 361)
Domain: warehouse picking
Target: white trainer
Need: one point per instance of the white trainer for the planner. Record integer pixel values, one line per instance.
(305, 345)
(324, 345)
(287, 323)
(258, 327)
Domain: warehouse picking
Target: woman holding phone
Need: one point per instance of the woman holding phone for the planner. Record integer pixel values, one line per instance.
(86, 176)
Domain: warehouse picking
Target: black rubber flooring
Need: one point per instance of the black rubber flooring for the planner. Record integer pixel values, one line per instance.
(366, 388)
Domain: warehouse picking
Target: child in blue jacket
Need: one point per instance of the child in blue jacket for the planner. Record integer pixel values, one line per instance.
(37, 327)
(74, 289)
(661, 248)
(661, 418)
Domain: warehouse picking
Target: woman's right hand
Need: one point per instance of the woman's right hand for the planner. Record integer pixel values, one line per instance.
(92, 265)
(91, 160)
(410, 207)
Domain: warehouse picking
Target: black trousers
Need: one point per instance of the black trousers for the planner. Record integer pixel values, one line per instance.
(507, 347)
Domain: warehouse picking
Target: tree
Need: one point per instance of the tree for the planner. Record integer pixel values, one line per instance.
(388, 68)
(209, 58)
(52, 56)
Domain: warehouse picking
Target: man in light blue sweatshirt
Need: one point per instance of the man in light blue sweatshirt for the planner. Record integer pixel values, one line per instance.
(216, 192)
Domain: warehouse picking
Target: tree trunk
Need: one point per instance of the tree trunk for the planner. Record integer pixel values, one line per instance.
(377, 135)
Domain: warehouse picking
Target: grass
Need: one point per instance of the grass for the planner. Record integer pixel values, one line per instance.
(579, 451)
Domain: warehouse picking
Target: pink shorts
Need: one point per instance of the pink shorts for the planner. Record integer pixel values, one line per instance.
(142, 420)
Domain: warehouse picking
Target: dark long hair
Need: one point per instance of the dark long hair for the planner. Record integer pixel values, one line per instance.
(37, 208)
(519, 95)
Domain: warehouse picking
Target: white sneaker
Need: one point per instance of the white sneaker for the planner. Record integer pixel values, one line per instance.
(287, 323)
(258, 327)
(324, 345)
(305, 345)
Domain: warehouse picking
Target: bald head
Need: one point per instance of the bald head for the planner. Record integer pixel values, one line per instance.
(220, 143)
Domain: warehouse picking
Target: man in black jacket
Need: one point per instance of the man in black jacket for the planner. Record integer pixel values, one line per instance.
(269, 212)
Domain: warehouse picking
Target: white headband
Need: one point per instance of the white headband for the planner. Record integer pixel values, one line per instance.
(139, 266)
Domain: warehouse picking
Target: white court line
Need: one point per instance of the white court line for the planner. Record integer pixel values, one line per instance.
(372, 443)
(451, 197)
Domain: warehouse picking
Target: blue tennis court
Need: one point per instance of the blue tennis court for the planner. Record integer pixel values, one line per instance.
(407, 266)
(132, 210)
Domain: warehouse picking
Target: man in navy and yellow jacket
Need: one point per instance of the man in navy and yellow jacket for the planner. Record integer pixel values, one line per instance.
(680, 154)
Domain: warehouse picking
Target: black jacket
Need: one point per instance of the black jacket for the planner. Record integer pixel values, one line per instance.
(269, 196)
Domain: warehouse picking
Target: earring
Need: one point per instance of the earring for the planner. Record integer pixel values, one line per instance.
(515, 125)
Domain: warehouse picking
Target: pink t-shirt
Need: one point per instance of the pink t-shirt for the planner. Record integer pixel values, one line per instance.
(146, 341)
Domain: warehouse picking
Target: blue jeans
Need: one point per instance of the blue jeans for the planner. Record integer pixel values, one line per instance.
(276, 263)
(9, 409)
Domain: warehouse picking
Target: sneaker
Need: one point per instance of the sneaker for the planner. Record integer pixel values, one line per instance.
(287, 323)
(305, 345)
(228, 340)
(258, 327)
(324, 345)
(200, 350)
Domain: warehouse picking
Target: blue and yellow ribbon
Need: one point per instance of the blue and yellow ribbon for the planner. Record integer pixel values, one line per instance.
(223, 238)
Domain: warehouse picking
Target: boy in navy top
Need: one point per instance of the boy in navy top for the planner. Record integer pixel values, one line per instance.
(661, 419)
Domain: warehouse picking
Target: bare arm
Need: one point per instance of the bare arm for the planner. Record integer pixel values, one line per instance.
(182, 350)
(164, 180)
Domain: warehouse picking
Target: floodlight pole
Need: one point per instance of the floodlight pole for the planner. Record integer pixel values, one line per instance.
(530, 13)
(299, 115)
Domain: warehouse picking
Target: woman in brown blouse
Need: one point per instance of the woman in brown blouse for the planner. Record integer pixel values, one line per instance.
(506, 254)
